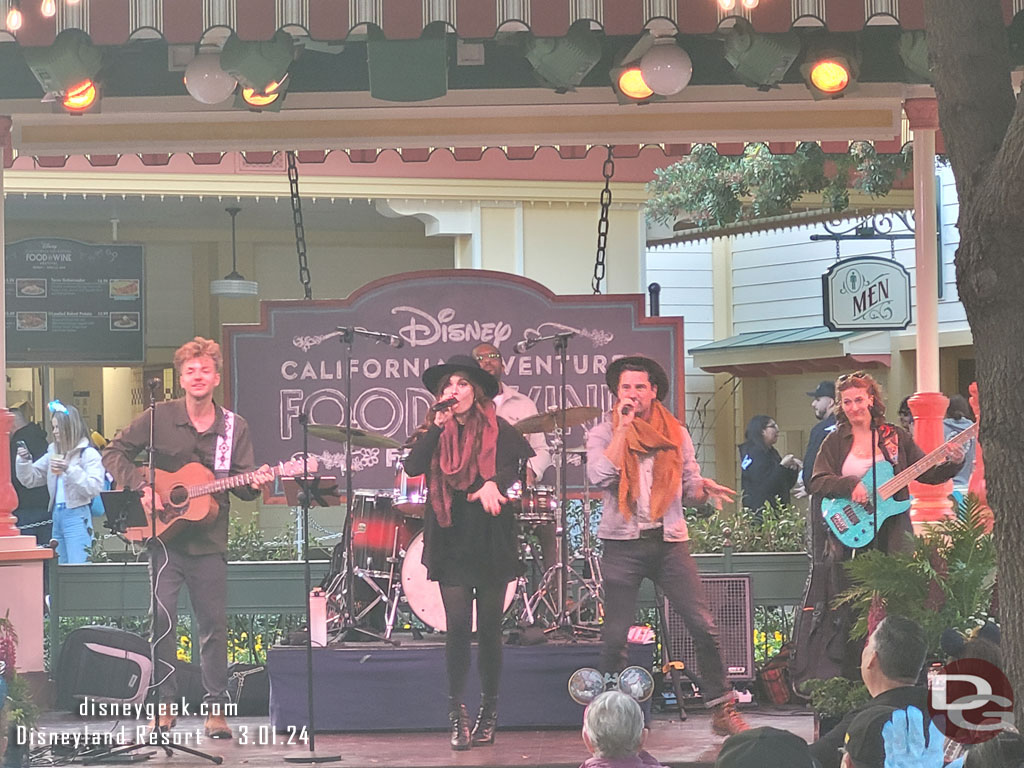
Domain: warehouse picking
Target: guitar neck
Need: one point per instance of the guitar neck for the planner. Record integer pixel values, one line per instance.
(226, 483)
(938, 456)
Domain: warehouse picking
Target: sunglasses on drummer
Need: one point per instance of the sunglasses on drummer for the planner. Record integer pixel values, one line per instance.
(488, 356)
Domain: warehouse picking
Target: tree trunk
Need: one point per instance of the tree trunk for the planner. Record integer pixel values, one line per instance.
(983, 125)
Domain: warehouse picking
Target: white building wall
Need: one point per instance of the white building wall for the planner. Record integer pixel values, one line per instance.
(684, 273)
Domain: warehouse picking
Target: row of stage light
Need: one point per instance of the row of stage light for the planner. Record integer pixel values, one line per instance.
(256, 73)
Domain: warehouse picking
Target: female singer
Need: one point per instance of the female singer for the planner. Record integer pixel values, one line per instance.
(72, 470)
(843, 466)
(470, 457)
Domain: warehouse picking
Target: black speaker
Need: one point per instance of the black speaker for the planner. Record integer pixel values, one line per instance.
(731, 603)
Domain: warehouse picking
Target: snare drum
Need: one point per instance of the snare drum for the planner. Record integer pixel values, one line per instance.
(537, 505)
(424, 595)
(380, 532)
(410, 492)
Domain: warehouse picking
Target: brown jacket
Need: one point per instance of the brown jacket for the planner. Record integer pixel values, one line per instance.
(899, 449)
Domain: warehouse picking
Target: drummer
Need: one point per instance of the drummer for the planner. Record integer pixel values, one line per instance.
(470, 457)
(513, 406)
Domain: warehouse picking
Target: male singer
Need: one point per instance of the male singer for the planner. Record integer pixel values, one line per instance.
(643, 459)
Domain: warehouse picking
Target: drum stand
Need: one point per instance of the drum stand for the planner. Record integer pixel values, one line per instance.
(562, 577)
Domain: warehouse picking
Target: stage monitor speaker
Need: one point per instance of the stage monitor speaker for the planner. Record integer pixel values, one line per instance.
(731, 603)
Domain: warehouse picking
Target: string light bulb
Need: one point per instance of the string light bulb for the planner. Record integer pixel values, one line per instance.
(727, 5)
(750, 4)
(48, 8)
(71, 2)
(14, 18)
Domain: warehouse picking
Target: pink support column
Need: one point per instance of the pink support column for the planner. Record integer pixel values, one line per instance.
(8, 498)
(930, 503)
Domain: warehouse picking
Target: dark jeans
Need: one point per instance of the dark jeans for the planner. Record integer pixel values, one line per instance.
(206, 577)
(668, 564)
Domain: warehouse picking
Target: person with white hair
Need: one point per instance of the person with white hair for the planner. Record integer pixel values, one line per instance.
(72, 470)
(614, 732)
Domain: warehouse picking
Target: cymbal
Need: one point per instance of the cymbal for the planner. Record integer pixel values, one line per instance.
(548, 422)
(360, 438)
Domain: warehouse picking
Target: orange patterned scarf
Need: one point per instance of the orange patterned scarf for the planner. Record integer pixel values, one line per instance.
(461, 458)
(663, 436)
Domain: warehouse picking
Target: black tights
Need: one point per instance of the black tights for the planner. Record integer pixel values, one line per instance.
(458, 609)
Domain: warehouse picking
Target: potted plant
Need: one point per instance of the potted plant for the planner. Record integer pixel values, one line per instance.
(832, 700)
(946, 581)
(16, 705)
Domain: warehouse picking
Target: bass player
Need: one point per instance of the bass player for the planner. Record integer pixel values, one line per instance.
(191, 429)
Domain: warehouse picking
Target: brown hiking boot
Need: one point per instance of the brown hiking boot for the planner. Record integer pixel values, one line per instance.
(216, 727)
(726, 721)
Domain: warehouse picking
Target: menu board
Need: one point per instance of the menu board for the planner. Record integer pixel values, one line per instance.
(72, 302)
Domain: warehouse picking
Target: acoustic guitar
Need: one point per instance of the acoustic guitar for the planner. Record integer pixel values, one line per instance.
(187, 496)
(854, 524)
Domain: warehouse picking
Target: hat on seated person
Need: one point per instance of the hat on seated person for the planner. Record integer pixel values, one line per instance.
(824, 389)
(655, 373)
(864, 742)
(433, 376)
(765, 747)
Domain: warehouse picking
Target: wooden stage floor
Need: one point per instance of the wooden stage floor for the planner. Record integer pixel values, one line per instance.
(673, 742)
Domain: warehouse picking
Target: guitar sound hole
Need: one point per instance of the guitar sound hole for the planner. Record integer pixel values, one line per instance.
(178, 496)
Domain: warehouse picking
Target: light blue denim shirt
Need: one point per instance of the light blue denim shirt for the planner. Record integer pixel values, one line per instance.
(605, 475)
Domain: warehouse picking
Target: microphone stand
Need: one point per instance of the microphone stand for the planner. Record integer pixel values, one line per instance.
(304, 500)
(159, 736)
(874, 479)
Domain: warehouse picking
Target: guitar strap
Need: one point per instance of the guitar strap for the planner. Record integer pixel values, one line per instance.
(225, 442)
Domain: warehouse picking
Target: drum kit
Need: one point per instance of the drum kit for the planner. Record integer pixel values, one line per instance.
(383, 543)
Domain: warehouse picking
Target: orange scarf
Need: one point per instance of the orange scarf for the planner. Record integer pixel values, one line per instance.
(663, 436)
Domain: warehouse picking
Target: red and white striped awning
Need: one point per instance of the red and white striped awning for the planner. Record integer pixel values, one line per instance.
(114, 22)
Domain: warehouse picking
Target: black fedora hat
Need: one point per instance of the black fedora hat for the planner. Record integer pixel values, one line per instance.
(435, 374)
(655, 372)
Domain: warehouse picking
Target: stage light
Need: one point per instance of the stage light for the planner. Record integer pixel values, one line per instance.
(14, 18)
(81, 97)
(206, 81)
(666, 68)
(913, 50)
(562, 62)
(830, 67)
(760, 60)
(632, 84)
(260, 100)
(67, 70)
(259, 66)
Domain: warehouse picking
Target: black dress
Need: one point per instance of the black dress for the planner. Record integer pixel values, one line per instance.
(478, 548)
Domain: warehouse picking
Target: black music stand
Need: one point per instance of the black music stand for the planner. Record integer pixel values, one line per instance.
(123, 510)
(308, 491)
(159, 736)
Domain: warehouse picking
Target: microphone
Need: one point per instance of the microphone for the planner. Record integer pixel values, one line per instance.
(626, 409)
(525, 344)
(391, 339)
(443, 405)
(154, 383)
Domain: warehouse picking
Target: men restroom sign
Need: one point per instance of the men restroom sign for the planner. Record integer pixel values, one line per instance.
(866, 294)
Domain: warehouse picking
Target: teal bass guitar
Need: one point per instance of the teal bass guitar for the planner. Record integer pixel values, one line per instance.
(855, 524)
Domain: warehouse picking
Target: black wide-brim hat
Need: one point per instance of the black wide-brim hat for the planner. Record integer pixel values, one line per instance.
(434, 375)
(655, 372)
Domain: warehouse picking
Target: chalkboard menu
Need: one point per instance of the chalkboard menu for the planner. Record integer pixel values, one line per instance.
(71, 302)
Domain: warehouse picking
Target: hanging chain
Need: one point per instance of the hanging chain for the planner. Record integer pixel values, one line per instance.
(300, 232)
(607, 170)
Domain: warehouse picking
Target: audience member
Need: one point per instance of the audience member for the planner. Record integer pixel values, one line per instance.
(906, 417)
(863, 746)
(958, 418)
(889, 665)
(33, 511)
(765, 747)
(614, 733)
(767, 477)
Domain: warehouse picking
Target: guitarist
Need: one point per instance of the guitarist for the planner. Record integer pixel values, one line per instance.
(843, 470)
(191, 429)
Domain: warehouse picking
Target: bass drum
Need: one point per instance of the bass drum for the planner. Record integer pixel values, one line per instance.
(424, 595)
